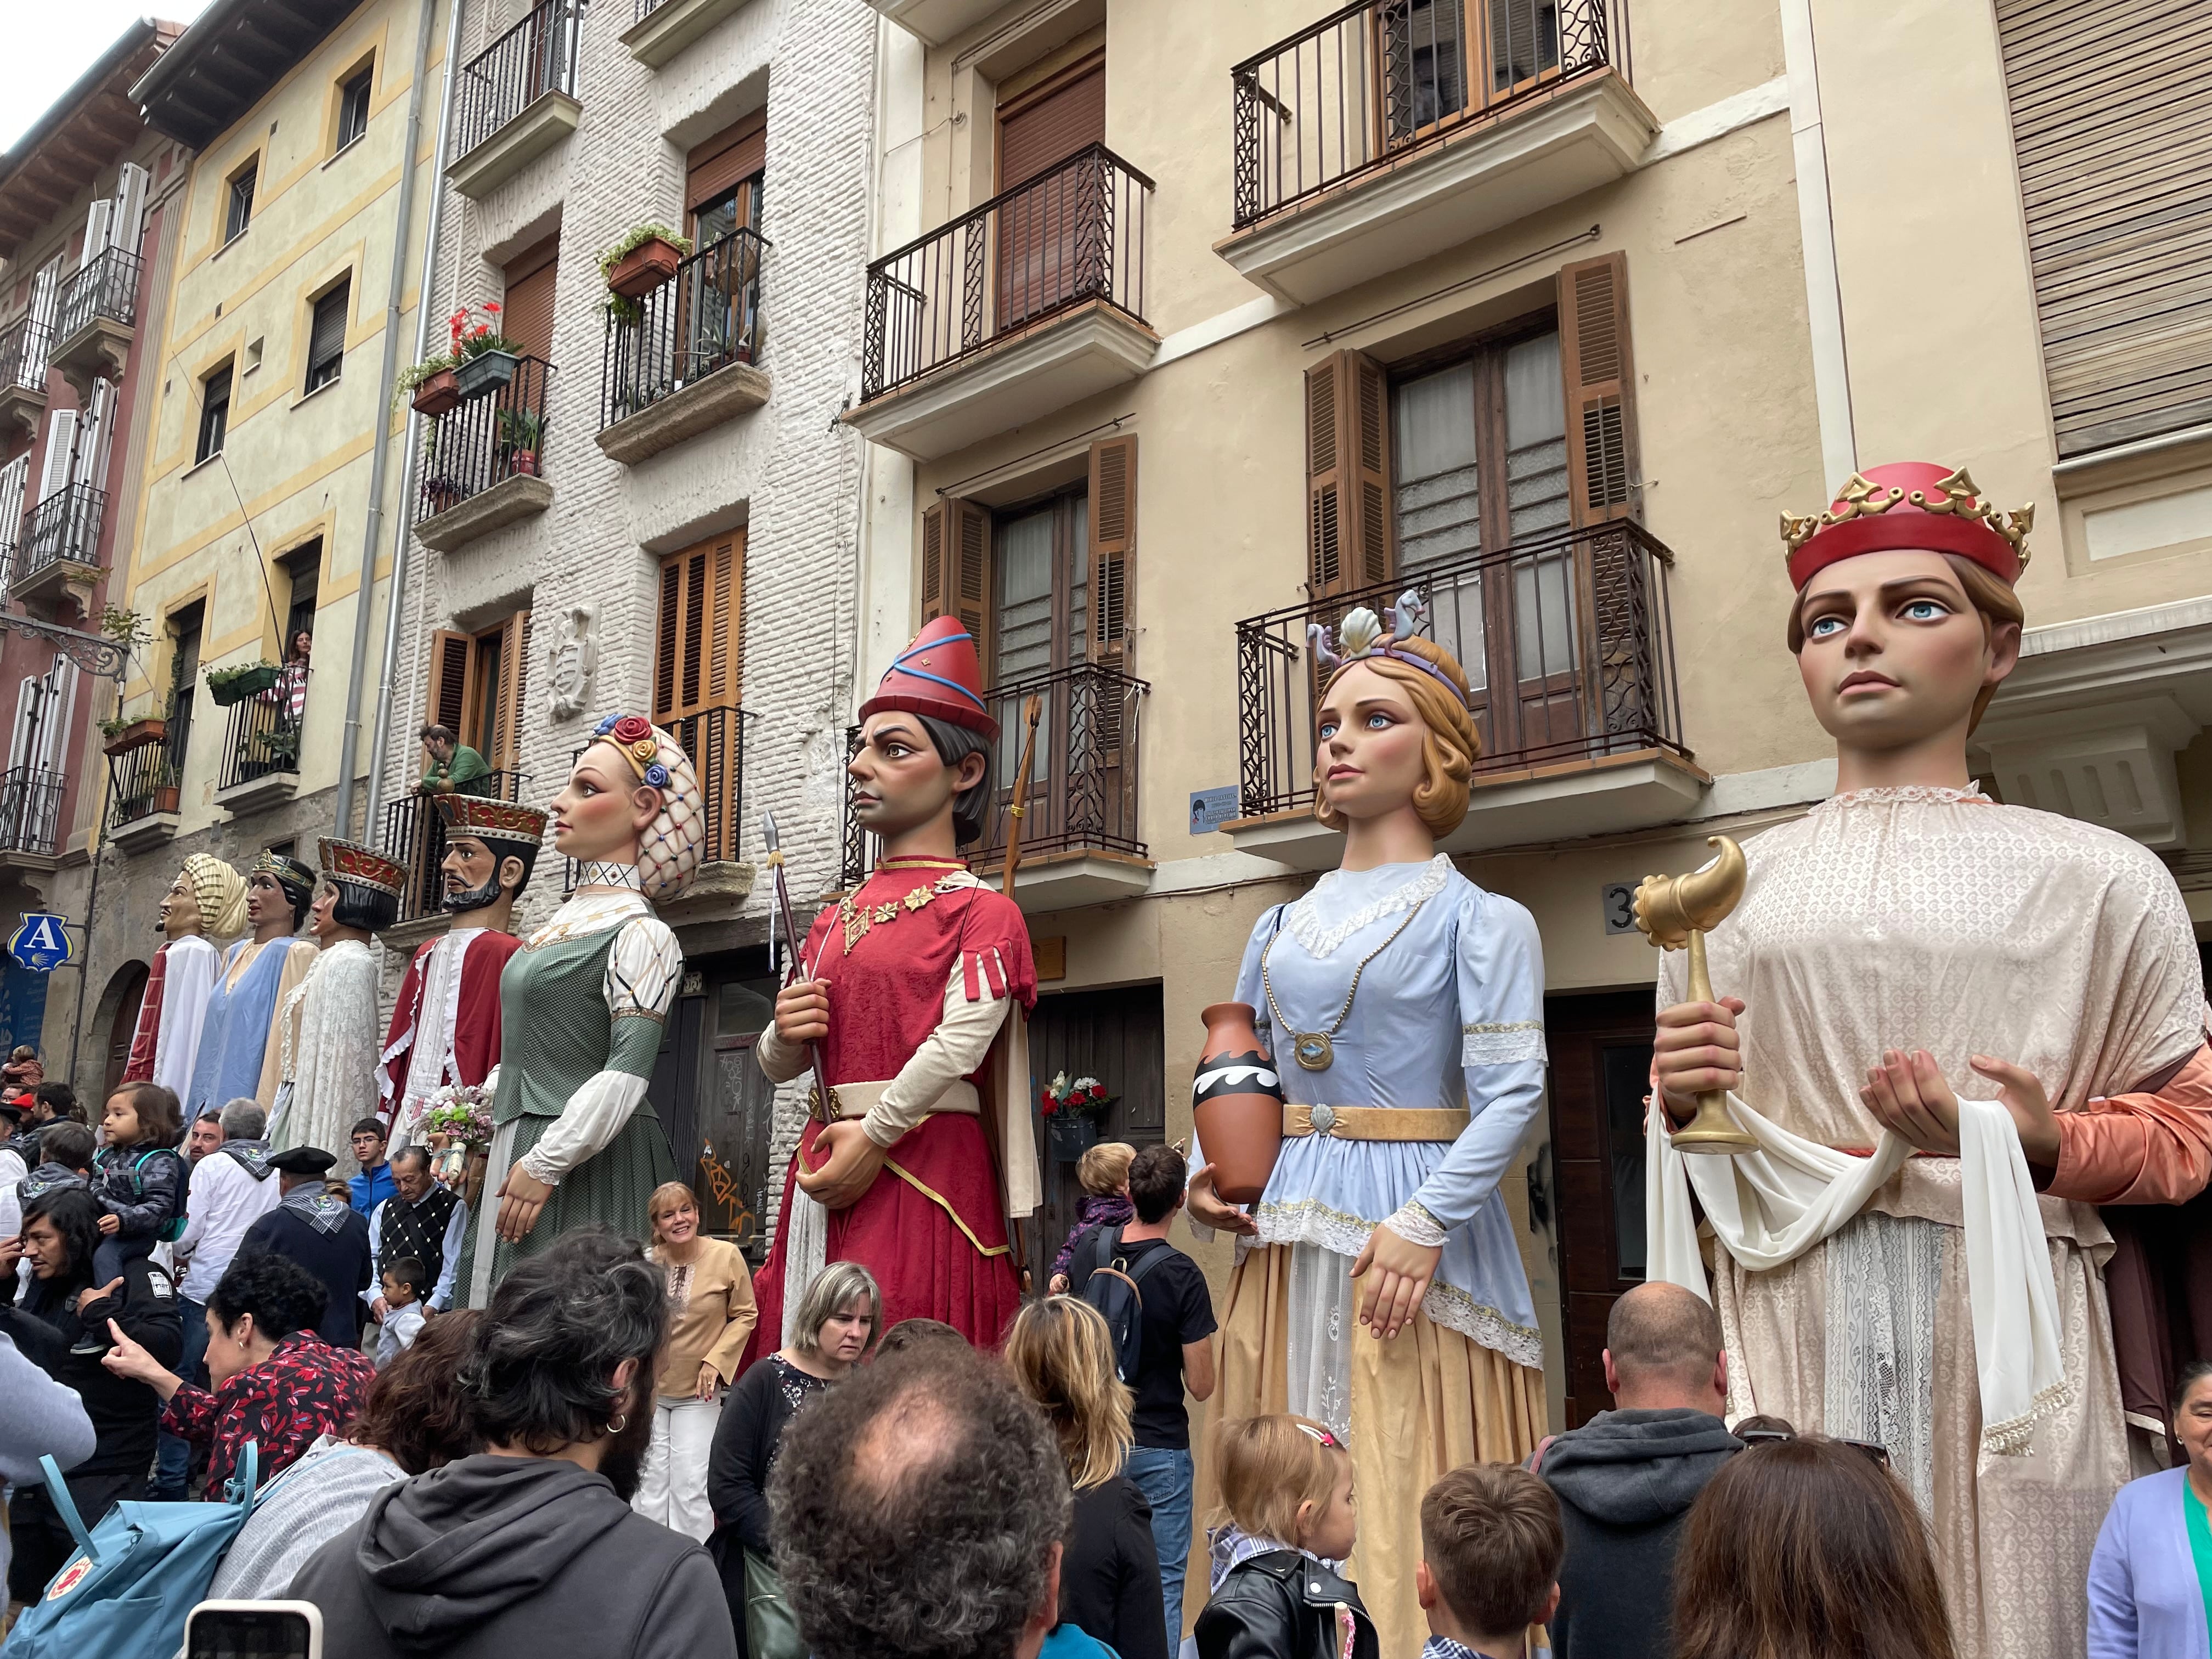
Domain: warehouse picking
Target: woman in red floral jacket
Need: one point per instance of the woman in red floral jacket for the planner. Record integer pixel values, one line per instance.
(275, 1381)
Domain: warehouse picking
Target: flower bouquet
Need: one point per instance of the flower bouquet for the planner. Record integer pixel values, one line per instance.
(459, 1114)
(1072, 1111)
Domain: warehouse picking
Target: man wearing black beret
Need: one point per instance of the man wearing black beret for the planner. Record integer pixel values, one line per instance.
(325, 1235)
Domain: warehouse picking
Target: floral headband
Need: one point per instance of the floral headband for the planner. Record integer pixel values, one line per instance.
(632, 736)
(1360, 635)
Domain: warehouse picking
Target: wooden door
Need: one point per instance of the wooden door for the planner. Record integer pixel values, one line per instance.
(716, 1108)
(1600, 1049)
(1048, 233)
(1117, 1038)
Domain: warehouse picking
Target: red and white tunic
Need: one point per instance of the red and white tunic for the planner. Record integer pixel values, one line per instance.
(445, 1026)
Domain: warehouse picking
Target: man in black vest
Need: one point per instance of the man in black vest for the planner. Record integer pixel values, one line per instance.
(422, 1220)
(325, 1235)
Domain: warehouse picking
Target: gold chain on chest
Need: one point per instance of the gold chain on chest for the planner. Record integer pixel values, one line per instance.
(858, 919)
(1316, 1050)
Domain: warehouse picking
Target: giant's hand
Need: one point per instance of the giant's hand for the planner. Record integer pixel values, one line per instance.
(522, 1195)
(1402, 1271)
(1208, 1209)
(802, 1011)
(1695, 1051)
(1910, 1097)
(849, 1164)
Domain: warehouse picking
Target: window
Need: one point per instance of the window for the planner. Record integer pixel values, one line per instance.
(304, 566)
(326, 336)
(1045, 231)
(239, 212)
(527, 318)
(183, 680)
(353, 106)
(476, 688)
(698, 672)
(214, 414)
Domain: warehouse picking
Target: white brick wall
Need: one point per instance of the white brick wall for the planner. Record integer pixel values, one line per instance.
(788, 469)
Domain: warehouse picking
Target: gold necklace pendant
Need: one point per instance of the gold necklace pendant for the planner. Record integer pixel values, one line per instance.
(1313, 1050)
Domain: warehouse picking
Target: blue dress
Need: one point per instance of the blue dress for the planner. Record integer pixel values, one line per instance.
(234, 1032)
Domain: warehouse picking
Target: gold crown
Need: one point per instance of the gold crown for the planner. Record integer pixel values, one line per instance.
(1861, 498)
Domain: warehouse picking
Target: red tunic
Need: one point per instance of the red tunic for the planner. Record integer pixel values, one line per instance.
(932, 1228)
(476, 1025)
(141, 1066)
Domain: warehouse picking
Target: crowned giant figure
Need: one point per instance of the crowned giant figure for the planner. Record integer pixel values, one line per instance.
(326, 1028)
(238, 1052)
(206, 902)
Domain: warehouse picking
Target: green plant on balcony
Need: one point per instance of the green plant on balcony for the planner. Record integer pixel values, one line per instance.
(278, 749)
(410, 379)
(126, 627)
(520, 432)
(643, 257)
(235, 685)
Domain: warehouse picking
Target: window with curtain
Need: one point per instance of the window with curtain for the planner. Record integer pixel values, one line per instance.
(1042, 604)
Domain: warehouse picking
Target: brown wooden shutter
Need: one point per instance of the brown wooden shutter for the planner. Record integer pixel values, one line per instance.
(2111, 122)
(514, 674)
(452, 680)
(736, 153)
(725, 634)
(1603, 469)
(701, 591)
(527, 314)
(1350, 534)
(956, 570)
(1041, 130)
(1112, 546)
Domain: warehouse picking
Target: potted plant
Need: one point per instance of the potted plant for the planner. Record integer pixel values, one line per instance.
(441, 492)
(1072, 1111)
(125, 735)
(164, 776)
(485, 360)
(520, 431)
(431, 385)
(278, 749)
(645, 258)
(228, 686)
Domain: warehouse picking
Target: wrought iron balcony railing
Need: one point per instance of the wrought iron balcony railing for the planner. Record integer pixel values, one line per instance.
(704, 318)
(107, 287)
(1566, 640)
(1083, 781)
(31, 809)
(1365, 85)
(415, 838)
(1073, 233)
(23, 346)
(486, 441)
(65, 526)
(262, 737)
(144, 782)
(715, 738)
(536, 56)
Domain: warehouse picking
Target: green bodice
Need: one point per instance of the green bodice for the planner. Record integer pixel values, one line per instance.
(556, 1030)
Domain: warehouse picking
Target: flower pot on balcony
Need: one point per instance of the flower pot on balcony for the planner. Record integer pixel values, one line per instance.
(486, 373)
(165, 799)
(236, 688)
(522, 464)
(438, 394)
(137, 735)
(439, 494)
(644, 268)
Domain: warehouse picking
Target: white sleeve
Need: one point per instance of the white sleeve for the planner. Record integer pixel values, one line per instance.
(457, 1229)
(594, 1115)
(780, 1061)
(957, 1047)
(375, 1256)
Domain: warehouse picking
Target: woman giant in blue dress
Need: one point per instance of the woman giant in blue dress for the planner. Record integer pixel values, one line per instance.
(1378, 1286)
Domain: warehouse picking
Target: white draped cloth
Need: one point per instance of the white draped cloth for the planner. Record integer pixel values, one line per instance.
(430, 1053)
(191, 965)
(327, 1027)
(1936, 1304)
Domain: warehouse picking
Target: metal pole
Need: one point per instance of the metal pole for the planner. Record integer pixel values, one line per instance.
(364, 610)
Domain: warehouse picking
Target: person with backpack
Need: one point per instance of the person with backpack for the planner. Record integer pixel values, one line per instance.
(1160, 1315)
(138, 1179)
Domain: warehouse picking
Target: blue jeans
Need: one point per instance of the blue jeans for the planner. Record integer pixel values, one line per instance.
(1162, 1473)
(172, 1467)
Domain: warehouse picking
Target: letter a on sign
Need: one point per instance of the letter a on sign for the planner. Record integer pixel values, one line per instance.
(41, 943)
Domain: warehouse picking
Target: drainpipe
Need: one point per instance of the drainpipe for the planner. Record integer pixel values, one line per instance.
(372, 530)
(1823, 295)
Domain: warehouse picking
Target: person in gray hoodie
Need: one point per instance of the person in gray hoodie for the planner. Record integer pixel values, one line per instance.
(1626, 1480)
(531, 1549)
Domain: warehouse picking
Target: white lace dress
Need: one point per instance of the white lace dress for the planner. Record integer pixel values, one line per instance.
(328, 1033)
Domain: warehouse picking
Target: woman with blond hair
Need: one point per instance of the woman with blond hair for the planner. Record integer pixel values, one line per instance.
(1061, 1356)
(710, 1318)
(1403, 1008)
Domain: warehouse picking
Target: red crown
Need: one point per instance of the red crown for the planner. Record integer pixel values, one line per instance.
(362, 866)
(939, 675)
(1908, 504)
(492, 820)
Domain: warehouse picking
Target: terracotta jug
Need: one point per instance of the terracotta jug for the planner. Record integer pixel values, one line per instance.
(1237, 1102)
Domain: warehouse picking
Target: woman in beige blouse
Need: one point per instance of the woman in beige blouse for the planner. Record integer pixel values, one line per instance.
(711, 1314)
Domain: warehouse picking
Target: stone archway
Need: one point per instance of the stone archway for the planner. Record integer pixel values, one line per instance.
(116, 1019)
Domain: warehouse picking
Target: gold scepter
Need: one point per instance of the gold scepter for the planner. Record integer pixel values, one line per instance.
(1016, 809)
(1679, 911)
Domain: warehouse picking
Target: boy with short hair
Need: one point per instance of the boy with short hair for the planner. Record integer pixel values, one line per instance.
(375, 1183)
(403, 1321)
(1491, 1547)
(1174, 1354)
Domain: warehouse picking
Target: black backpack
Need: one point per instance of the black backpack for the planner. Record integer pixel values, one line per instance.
(1111, 1287)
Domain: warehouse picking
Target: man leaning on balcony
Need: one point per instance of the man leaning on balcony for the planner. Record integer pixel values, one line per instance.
(454, 768)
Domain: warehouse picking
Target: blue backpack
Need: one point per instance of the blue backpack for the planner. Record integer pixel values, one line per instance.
(1111, 1287)
(136, 1577)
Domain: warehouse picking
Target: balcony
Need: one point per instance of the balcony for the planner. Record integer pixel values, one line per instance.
(687, 363)
(414, 839)
(261, 750)
(1079, 832)
(23, 347)
(516, 98)
(664, 28)
(715, 739)
(95, 320)
(142, 793)
(1568, 647)
(483, 462)
(30, 817)
(1394, 130)
(58, 558)
(938, 22)
(1031, 302)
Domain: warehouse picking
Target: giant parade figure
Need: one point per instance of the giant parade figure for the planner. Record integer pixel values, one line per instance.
(239, 1053)
(206, 902)
(914, 989)
(445, 1025)
(326, 1028)
(582, 1005)
(1944, 1030)
(1378, 1288)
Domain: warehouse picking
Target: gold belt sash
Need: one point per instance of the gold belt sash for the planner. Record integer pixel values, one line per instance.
(1376, 1123)
(854, 1100)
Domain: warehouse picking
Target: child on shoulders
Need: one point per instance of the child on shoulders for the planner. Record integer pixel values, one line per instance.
(1102, 1172)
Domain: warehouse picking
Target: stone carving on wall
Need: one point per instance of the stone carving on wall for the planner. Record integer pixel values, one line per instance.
(571, 656)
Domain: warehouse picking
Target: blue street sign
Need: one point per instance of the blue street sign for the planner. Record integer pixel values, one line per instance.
(41, 944)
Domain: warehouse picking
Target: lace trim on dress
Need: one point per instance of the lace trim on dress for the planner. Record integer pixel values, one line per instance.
(1303, 920)
(1309, 1221)
(1918, 794)
(1502, 1043)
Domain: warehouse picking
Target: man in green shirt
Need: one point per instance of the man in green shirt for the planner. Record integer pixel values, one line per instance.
(453, 767)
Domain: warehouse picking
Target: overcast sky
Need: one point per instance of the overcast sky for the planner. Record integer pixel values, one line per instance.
(51, 42)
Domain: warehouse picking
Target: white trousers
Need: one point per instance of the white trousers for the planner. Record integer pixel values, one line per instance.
(672, 1488)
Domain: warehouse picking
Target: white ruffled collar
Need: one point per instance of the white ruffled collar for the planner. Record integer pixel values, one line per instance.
(1907, 794)
(1322, 937)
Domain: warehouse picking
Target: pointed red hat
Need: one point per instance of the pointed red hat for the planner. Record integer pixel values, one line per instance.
(938, 676)
(1908, 504)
